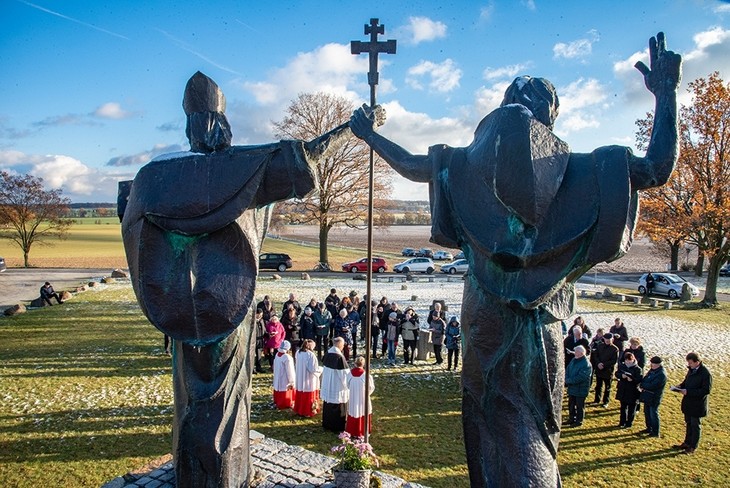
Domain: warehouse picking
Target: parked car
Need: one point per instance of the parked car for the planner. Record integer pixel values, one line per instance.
(724, 271)
(280, 262)
(361, 266)
(424, 252)
(408, 252)
(668, 284)
(459, 255)
(418, 265)
(458, 266)
(2, 265)
(442, 255)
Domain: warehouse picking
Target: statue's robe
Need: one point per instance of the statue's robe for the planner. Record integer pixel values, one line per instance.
(192, 232)
(531, 218)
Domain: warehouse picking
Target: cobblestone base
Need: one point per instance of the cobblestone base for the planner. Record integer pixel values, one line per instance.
(276, 465)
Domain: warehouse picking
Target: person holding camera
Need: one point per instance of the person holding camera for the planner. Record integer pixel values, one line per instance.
(409, 332)
(438, 329)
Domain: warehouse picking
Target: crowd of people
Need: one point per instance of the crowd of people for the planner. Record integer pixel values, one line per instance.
(603, 358)
(313, 351)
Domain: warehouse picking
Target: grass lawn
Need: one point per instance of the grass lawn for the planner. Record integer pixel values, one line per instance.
(85, 396)
(97, 245)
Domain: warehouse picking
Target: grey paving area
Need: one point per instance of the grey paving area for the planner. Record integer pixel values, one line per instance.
(276, 464)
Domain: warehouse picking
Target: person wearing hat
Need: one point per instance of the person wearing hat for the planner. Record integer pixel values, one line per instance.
(453, 341)
(284, 377)
(651, 390)
(606, 359)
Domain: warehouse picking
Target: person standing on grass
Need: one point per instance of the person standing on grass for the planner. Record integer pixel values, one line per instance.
(290, 321)
(307, 326)
(284, 377)
(259, 327)
(275, 336)
(437, 329)
(638, 351)
(342, 329)
(334, 391)
(409, 332)
(695, 390)
(353, 320)
(576, 338)
(651, 390)
(620, 335)
(355, 425)
(268, 308)
(606, 359)
(391, 336)
(453, 341)
(308, 371)
(323, 324)
(578, 376)
(629, 376)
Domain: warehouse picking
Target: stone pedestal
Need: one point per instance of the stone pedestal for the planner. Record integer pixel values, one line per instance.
(425, 349)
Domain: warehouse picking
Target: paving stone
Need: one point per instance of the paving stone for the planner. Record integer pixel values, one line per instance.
(143, 481)
(154, 484)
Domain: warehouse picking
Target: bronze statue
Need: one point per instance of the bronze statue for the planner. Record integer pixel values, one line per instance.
(531, 218)
(192, 230)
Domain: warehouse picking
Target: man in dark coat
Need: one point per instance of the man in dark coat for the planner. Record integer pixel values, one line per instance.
(620, 334)
(627, 390)
(605, 360)
(652, 390)
(695, 389)
(574, 339)
(578, 381)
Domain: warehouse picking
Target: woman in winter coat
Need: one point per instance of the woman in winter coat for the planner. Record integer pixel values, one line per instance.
(438, 329)
(275, 336)
(453, 341)
(322, 324)
(342, 329)
(391, 335)
(409, 332)
(627, 390)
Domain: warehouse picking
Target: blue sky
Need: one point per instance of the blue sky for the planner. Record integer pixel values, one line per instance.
(93, 89)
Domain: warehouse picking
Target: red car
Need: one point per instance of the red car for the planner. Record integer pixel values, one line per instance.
(361, 266)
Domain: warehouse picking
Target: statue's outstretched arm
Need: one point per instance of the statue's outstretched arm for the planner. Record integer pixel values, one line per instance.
(662, 80)
(317, 147)
(413, 167)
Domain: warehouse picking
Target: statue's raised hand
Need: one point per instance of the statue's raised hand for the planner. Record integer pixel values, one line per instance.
(666, 67)
(364, 120)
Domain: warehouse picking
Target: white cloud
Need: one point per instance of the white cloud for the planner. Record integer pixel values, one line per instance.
(417, 131)
(530, 4)
(489, 98)
(145, 156)
(510, 71)
(330, 68)
(722, 8)
(78, 181)
(112, 110)
(579, 48)
(443, 77)
(581, 105)
(421, 29)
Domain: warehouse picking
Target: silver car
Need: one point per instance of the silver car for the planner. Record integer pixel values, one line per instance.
(2, 265)
(417, 265)
(458, 266)
(668, 284)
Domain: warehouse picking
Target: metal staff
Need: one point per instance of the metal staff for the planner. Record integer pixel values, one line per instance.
(372, 47)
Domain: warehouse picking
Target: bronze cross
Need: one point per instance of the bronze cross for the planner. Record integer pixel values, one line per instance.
(373, 47)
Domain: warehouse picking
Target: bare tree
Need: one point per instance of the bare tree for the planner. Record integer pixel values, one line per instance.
(342, 176)
(697, 198)
(29, 213)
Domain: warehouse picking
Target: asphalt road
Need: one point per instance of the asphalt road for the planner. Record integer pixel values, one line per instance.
(20, 285)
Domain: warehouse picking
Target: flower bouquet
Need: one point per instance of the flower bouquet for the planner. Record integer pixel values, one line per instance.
(355, 462)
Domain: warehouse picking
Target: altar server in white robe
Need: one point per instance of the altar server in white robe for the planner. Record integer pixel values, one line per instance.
(284, 377)
(308, 371)
(356, 407)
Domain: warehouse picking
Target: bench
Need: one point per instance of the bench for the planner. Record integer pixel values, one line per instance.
(390, 279)
(585, 294)
(655, 302)
(428, 278)
(622, 297)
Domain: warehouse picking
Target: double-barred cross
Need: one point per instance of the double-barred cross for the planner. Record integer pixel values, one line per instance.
(373, 47)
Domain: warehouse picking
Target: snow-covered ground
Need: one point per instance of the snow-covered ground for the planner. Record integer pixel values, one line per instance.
(660, 335)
